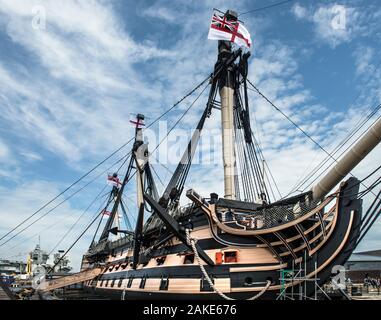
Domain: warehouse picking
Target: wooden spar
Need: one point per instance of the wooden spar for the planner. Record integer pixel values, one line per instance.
(176, 229)
(351, 159)
(226, 94)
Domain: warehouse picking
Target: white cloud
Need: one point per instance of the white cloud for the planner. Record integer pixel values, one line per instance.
(364, 56)
(162, 13)
(30, 155)
(368, 74)
(299, 11)
(335, 24)
(4, 151)
(77, 102)
(30, 196)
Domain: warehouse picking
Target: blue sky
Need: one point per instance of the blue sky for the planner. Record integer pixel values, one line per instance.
(67, 89)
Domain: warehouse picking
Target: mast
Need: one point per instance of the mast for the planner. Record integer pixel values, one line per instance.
(226, 90)
(140, 151)
(141, 158)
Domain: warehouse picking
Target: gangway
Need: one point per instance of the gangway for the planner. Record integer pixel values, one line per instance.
(69, 280)
(5, 292)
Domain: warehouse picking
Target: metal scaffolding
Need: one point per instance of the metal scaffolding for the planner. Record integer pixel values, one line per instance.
(294, 282)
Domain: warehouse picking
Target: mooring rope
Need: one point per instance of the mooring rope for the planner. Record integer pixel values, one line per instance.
(192, 243)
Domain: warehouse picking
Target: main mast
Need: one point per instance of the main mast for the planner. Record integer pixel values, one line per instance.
(226, 90)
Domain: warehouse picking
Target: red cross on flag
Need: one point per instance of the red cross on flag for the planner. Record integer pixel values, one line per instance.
(137, 122)
(222, 28)
(114, 181)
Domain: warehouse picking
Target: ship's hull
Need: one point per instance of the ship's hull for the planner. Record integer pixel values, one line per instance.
(254, 264)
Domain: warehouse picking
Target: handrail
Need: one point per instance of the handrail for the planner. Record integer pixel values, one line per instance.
(235, 231)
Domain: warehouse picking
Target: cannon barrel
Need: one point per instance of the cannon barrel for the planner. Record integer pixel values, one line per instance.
(350, 160)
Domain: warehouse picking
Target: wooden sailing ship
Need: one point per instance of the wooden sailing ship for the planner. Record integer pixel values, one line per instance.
(230, 247)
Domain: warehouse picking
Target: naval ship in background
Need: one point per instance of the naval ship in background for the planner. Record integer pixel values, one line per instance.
(232, 246)
(19, 278)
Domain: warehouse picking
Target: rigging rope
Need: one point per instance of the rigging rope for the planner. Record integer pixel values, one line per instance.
(296, 125)
(49, 227)
(361, 182)
(125, 216)
(253, 163)
(372, 216)
(290, 120)
(75, 242)
(77, 221)
(366, 219)
(157, 175)
(64, 191)
(341, 144)
(192, 243)
(65, 217)
(179, 120)
(102, 162)
(345, 140)
(321, 173)
(359, 126)
(176, 184)
(110, 198)
(267, 7)
(59, 204)
(128, 209)
(362, 194)
(249, 170)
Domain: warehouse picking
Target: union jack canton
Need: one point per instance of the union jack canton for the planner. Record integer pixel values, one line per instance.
(223, 29)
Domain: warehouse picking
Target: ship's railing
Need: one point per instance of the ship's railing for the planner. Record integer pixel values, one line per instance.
(109, 245)
(120, 242)
(266, 217)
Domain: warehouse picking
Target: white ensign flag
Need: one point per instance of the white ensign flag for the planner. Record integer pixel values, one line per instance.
(223, 29)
